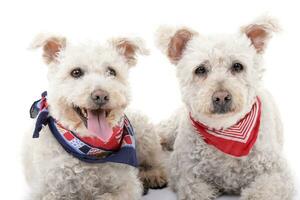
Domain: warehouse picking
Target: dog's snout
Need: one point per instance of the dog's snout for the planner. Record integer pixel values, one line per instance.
(222, 101)
(100, 97)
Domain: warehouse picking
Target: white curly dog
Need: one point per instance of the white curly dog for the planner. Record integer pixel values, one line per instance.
(85, 122)
(227, 138)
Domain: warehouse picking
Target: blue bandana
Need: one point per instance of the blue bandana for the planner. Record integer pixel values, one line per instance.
(80, 149)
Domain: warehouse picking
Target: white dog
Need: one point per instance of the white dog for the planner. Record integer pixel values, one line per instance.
(228, 133)
(84, 145)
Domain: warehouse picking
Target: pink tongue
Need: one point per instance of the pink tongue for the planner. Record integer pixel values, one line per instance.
(98, 125)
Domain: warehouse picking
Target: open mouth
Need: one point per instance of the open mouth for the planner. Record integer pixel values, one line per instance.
(95, 121)
(84, 113)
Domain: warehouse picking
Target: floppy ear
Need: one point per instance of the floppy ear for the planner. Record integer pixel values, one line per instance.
(260, 31)
(173, 41)
(51, 44)
(129, 48)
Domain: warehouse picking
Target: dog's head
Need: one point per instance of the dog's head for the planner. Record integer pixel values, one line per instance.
(219, 74)
(87, 82)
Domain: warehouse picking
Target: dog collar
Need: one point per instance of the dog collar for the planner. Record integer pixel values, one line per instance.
(237, 140)
(119, 149)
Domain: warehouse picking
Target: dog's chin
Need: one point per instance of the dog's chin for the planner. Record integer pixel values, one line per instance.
(211, 113)
(223, 115)
(219, 120)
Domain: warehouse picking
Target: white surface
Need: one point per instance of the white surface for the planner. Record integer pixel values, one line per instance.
(154, 86)
(167, 194)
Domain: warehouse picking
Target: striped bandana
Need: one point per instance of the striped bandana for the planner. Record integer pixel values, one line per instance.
(236, 140)
(119, 149)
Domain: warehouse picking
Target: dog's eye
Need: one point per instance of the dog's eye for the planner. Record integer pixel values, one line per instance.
(111, 72)
(237, 67)
(76, 73)
(201, 70)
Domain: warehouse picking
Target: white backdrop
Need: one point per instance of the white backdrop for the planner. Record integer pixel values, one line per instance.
(154, 87)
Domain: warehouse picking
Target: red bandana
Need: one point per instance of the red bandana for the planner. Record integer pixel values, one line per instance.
(113, 143)
(236, 140)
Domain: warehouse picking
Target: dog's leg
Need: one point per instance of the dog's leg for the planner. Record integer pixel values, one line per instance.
(167, 131)
(189, 189)
(184, 178)
(150, 155)
(151, 170)
(273, 186)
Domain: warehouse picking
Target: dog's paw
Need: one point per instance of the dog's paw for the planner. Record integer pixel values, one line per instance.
(154, 178)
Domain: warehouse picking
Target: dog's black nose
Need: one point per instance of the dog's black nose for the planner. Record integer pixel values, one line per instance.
(222, 101)
(100, 97)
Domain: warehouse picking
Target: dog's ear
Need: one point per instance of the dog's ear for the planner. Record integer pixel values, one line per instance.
(129, 48)
(173, 41)
(260, 31)
(51, 45)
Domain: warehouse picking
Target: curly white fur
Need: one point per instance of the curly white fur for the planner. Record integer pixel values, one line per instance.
(51, 172)
(198, 170)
